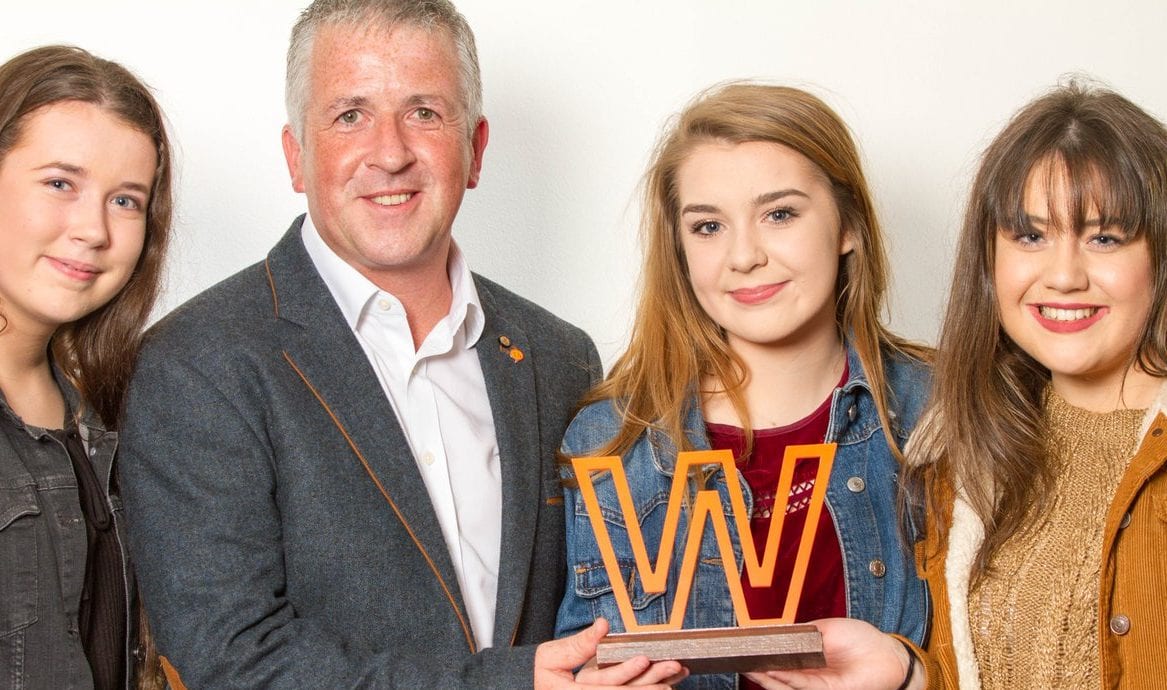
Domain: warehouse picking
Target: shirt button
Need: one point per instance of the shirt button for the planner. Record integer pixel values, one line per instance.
(428, 458)
(1125, 521)
(384, 304)
(856, 484)
(877, 568)
(1120, 625)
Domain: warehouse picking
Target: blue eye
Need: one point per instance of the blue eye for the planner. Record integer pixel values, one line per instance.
(57, 183)
(706, 227)
(127, 202)
(781, 215)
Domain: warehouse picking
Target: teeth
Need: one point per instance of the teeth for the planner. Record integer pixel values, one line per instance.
(391, 199)
(1067, 314)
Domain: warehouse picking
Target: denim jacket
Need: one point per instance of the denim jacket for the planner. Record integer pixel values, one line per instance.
(881, 583)
(43, 550)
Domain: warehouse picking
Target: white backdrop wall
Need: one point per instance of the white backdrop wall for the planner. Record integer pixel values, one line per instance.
(577, 93)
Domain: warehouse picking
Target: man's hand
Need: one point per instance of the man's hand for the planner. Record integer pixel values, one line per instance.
(859, 656)
(555, 662)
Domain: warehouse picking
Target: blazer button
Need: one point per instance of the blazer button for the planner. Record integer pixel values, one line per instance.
(1125, 522)
(856, 484)
(1120, 624)
(877, 568)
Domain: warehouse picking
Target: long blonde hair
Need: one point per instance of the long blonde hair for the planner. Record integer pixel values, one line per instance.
(674, 342)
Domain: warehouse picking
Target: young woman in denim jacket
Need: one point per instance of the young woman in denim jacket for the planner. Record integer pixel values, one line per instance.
(86, 203)
(758, 326)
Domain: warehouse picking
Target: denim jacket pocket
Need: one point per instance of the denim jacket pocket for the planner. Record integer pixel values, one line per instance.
(18, 558)
(593, 585)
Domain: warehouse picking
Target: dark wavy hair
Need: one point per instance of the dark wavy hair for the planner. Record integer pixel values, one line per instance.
(984, 430)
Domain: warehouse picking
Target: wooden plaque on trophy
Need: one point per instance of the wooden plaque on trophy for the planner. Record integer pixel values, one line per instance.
(758, 644)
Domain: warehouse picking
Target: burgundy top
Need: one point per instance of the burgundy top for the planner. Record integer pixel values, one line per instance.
(824, 593)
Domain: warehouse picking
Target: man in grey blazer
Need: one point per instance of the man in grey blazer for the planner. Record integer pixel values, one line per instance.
(339, 464)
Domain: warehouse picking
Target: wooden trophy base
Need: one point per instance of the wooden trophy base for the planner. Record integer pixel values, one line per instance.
(721, 650)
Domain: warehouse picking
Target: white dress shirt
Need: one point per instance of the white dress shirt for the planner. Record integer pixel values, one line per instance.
(439, 396)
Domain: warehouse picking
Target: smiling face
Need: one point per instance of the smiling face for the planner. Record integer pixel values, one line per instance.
(762, 239)
(74, 191)
(385, 158)
(1076, 300)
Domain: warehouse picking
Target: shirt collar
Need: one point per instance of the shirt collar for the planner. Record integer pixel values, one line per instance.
(353, 292)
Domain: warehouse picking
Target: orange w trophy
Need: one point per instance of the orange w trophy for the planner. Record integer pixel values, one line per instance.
(758, 644)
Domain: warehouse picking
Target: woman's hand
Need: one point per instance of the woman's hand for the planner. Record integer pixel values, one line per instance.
(858, 655)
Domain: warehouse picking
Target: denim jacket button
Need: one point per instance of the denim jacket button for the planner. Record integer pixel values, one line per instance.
(852, 412)
(877, 567)
(856, 484)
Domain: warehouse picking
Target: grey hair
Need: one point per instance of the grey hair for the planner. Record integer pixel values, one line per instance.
(429, 15)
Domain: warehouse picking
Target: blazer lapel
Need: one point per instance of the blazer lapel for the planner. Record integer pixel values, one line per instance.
(325, 354)
(510, 385)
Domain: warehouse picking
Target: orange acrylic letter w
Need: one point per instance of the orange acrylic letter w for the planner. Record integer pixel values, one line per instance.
(706, 503)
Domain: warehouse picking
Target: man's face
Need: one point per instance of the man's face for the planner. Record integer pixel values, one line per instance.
(385, 155)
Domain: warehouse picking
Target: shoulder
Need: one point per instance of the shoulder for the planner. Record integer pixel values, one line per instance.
(219, 319)
(909, 381)
(564, 352)
(592, 428)
(510, 308)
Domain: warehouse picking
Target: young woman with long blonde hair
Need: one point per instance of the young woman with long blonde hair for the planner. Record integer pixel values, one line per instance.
(759, 327)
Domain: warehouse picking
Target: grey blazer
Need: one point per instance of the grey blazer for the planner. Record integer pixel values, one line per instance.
(282, 533)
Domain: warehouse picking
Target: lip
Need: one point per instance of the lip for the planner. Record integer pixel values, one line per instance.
(388, 194)
(77, 270)
(756, 294)
(1074, 326)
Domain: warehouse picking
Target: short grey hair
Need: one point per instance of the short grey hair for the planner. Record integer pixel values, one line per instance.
(430, 15)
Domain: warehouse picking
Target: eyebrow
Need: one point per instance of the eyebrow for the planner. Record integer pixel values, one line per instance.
(1042, 220)
(346, 102)
(760, 200)
(82, 172)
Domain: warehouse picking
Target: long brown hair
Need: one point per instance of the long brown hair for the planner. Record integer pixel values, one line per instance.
(984, 429)
(674, 342)
(97, 352)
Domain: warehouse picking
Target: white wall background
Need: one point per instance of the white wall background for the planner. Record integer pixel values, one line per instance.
(577, 92)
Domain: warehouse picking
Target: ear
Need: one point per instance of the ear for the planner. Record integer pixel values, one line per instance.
(478, 146)
(846, 241)
(292, 151)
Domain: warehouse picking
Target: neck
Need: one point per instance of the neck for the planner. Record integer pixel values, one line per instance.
(1134, 390)
(27, 379)
(424, 290)
(784, 383)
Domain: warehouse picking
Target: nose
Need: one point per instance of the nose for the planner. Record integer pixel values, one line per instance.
(391, 151)
(1066, 269)
(89, 224)
(745, 250)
